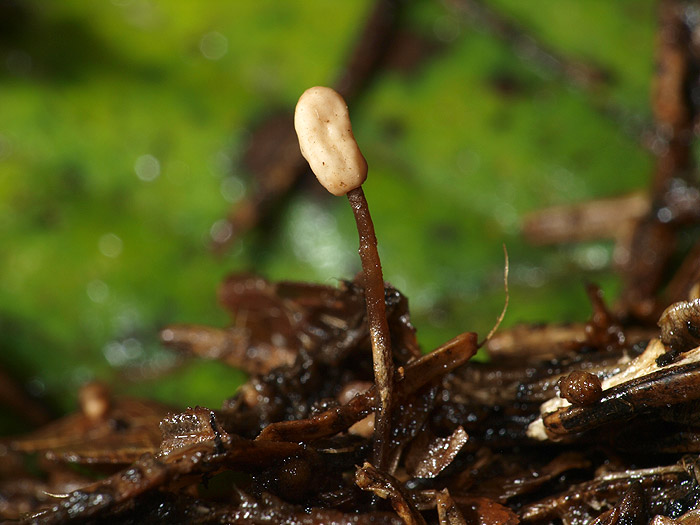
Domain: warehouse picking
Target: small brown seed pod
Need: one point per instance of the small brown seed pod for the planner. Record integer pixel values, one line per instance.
(580, 388)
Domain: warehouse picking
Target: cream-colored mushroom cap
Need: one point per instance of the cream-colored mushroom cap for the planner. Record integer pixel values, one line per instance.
(325, 136)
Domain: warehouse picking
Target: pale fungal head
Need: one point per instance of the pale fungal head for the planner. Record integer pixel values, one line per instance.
(95, 402)
(325, 136)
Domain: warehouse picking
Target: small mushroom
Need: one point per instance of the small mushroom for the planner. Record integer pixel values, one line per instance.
(95, 400)
(326, 141)
(680, 329)
(580, 388)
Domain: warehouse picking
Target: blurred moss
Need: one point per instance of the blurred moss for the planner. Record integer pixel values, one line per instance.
(120, 144)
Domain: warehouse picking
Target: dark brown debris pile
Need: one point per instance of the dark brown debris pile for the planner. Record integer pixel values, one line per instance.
(470, 443)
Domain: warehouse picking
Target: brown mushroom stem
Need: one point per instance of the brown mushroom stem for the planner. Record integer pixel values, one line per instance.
(378, 326)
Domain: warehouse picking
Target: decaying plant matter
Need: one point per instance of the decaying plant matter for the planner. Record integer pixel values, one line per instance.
(597, 422)
(470, 442)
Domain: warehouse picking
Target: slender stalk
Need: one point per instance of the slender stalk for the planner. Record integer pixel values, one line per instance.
(378, 325)
(326, 141)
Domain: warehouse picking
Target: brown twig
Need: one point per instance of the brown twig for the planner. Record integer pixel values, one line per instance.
(610, 218)
(589, 77)
(576, 72)
(653, 241)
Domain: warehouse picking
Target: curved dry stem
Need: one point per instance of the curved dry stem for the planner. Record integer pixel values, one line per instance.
(505, 304)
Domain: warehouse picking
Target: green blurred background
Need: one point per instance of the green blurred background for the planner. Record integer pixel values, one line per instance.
(123, 123)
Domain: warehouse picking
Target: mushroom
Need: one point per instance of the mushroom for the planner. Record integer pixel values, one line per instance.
(95, 401)
(322, 123)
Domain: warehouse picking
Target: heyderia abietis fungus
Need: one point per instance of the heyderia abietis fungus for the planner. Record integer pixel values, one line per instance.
(326, 141)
